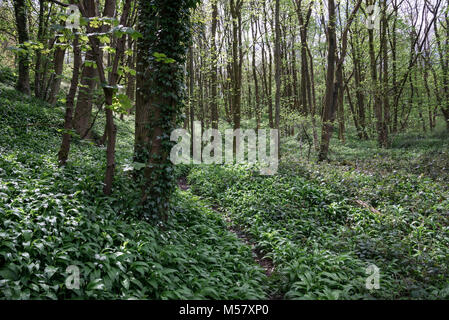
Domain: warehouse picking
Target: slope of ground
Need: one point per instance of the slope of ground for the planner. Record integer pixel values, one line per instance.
(324, 225)
(52, 218)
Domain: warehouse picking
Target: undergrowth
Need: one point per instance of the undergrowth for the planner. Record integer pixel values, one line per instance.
(52, 218)
(324, 224)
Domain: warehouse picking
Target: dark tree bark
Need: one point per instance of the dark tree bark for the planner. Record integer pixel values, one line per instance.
(359, 112)
(305, 76)
(109, 84)
(394, 64)
(385, 89)
(268, 75)
(83, 111)
(214, 102)
(330, 96)
(312, 98)
(191, 95)
(237, 60)
(55, 79)
(444, 64)
(23, 80)
(67, 135)
(277, 65)
(334, 75)
(376, 92)
(40, 37)
(254, 67)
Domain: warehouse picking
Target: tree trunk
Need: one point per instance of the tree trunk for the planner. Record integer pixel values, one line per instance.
(385, 95)
(191, 96)
(444, 64)
(359, 112)
(109, 86)
(334, 76)
(214, 57)
(40, 38)
(66, 137)
(277, 64)
(236, 61)
(340, 108)
(254, 67)
(270, 68)
(377, 102)
(83, 111)
(55, 79)
(330, 96)
(23, 80)
(164, 26)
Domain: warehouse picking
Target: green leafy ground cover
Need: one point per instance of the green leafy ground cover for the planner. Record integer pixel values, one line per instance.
(51, 218)
(324, 224)
(321, 224)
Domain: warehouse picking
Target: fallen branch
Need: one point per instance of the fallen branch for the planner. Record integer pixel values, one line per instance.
(367, 206)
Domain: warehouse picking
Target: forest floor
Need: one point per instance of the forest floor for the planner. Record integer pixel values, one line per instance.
(310, 231)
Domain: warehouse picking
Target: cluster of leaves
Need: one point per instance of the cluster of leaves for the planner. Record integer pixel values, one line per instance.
(52, 218)
(321, 241)
(7, 76)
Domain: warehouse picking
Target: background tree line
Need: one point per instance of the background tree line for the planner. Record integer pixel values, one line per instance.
(303, 66)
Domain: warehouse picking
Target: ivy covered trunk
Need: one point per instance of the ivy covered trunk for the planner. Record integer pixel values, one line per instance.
(164, 25)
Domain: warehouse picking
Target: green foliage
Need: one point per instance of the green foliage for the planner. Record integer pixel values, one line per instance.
(53, 217)
(307, 221)
(121, 104)
(161, 57)
(7, 76)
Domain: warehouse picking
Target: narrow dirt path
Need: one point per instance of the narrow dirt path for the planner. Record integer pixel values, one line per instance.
(265, 263)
